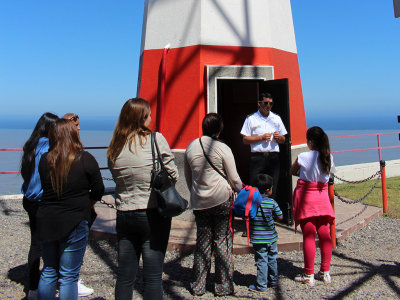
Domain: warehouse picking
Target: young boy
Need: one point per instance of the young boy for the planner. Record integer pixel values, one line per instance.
(264, 237)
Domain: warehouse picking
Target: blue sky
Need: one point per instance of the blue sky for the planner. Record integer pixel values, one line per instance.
(83, 56)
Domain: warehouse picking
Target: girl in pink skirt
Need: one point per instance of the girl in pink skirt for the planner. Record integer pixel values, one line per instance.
(311, 206)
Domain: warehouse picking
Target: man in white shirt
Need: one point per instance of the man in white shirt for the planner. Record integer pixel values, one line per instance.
(264, 131)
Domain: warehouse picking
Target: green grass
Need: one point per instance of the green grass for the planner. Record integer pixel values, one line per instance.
(356, 191)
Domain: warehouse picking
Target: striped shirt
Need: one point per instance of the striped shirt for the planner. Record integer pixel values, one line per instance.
(262, 228)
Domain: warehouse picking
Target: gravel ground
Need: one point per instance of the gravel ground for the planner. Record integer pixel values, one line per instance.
(365, 266)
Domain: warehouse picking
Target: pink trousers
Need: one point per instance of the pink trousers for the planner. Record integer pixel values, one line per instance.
(309, 227)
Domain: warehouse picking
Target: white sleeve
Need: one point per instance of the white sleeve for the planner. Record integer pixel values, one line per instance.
(333, 168)
(282, 128)
(246, 129)
(301, 159)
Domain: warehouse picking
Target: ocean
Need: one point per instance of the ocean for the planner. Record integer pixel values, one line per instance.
(97, 131)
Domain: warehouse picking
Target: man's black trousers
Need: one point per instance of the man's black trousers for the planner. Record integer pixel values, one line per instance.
(265, 163)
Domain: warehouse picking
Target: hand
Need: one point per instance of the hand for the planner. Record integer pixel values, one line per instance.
(276, 136)
(266, 136)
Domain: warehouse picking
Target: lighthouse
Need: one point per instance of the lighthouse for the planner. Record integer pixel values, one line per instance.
(201, 56)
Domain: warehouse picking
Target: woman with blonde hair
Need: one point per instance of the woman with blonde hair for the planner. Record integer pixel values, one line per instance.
(72, 183)
(141, 230)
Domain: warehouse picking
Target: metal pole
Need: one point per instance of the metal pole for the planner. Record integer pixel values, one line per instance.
(161, 98)
(379, 147)
(332, 198)
(384, 193)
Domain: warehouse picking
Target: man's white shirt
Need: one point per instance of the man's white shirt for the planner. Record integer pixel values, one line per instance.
(257, 124)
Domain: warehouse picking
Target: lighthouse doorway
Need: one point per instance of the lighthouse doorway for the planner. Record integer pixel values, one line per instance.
(236, 99)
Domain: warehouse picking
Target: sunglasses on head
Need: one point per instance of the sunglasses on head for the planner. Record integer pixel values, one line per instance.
(74, 118)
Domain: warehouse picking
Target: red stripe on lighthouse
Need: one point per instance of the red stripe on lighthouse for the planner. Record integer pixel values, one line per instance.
(185, 89)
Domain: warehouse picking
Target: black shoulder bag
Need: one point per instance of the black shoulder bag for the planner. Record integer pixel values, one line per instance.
(169, 202)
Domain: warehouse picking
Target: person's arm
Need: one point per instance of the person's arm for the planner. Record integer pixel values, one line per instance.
(294, 170)
(279, 138)
(93, 174)
(187, 171)
(277, 213)
(167, 156)
(248, 140)
(229, 164)
(279, 135)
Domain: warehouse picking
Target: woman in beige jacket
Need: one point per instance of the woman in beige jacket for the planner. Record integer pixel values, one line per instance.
(210, 198)
(141, 231)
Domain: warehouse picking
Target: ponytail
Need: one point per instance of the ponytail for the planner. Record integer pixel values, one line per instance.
(321, 142)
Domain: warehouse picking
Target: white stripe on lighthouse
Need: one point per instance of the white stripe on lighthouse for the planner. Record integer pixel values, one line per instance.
(243, 23)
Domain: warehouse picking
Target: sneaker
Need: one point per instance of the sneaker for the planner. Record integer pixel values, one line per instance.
(323, 276)
(33, 295)
(83, 291)
(253, 288)
(306, 279)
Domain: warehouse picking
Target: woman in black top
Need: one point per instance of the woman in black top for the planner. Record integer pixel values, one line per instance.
(72, 183)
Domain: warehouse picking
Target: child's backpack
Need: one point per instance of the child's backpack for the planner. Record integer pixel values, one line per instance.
(246, 205)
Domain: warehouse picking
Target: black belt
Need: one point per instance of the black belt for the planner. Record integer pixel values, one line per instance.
(265, 154)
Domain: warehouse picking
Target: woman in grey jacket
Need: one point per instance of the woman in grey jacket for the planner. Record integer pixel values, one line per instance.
(210, 198)
(141, 231)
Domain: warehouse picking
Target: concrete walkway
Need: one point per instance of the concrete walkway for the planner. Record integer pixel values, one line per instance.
(183, 233)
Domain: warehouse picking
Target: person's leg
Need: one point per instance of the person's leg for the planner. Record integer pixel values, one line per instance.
(35, 248)
(256, 167)
(325, 242)
(272, 264)
(222, 246)
(129, 251)
(309, 231)
(48, 280)
(153, 251)
(202, 252)
(271, 168)
(261, 258)
(72, 249)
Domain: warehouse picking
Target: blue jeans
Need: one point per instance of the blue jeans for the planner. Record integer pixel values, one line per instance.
(62, 260)
(141, 233)
(265, 256)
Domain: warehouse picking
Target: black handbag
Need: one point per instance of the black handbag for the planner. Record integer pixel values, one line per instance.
(169, 202)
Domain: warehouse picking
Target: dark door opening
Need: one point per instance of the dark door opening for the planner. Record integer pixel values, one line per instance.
(236, 99)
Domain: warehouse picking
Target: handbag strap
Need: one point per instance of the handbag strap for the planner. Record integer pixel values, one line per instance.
(211, 164)
(153, 155)
(159, 160)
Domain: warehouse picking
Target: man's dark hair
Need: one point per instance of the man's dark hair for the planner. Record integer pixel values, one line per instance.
(265, 95)
(263, 182)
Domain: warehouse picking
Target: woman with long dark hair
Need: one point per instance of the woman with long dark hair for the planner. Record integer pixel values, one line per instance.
(211, 199)
(72, 183)
(311, 206)
(141, 230)
(35, 146)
